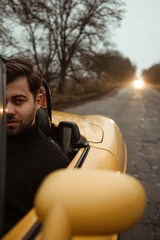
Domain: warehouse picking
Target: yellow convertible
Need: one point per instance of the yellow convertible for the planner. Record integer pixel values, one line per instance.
(93, 198)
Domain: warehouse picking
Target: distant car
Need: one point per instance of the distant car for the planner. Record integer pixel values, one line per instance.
(92, 198)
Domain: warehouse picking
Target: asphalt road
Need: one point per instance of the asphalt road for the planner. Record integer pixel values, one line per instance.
(137, 113)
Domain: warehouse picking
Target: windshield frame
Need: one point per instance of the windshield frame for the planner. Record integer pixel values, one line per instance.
(2, 140)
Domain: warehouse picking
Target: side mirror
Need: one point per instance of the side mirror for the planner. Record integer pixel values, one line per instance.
(88, 202)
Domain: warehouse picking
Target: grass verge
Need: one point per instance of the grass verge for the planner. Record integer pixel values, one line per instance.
(68, 100)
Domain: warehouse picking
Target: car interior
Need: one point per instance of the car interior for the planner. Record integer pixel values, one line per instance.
(66, 135)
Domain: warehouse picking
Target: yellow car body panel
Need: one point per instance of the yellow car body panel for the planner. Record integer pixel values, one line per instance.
(19, 231)
(100, 159)
(107, 152)
(109, 237)
(101, 133)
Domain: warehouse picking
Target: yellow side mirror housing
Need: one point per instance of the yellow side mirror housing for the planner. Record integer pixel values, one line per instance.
(88, 202)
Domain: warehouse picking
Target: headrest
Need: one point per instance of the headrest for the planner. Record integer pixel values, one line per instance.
(43, 121)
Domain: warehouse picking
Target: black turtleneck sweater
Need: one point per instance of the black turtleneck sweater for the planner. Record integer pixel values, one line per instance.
(30, 157)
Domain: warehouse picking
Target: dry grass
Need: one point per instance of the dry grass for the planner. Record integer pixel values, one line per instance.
(85, 93)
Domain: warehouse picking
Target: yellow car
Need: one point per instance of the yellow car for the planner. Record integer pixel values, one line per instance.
(93, 198)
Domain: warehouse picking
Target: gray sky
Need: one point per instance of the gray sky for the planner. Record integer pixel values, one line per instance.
(139, 35)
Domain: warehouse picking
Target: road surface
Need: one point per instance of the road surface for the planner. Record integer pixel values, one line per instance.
(137, 113)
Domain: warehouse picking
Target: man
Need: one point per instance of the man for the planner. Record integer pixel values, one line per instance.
(30, 154)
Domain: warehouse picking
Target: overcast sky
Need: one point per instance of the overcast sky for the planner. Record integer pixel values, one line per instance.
(139, 35)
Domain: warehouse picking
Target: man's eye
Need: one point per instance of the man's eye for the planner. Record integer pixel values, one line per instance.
(19, 101)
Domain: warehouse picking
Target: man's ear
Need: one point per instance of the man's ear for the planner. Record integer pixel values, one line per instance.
(39, 101)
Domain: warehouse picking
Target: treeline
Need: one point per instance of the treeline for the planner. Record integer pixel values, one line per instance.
(152, 74)
(100, 71)
(110, 65)
(63, 39)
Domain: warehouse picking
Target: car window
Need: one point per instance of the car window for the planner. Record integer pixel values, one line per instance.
(2, 139)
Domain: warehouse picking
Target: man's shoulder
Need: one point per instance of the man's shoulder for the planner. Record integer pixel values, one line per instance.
(48, 141)
(51, 152)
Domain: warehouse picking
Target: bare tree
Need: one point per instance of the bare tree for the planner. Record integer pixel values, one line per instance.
(57, 32)
(25, 37)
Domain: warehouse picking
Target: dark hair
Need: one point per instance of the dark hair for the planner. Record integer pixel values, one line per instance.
(19, 67)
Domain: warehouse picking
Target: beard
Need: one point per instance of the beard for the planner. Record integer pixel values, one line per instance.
(21, 123)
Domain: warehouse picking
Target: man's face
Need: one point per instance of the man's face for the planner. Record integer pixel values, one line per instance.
(21, 106)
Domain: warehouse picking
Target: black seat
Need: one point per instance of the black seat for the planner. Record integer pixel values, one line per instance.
(69, 138)
(44, 121)
(66, 135)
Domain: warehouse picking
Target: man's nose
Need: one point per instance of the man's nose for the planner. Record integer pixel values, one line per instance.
(10, 109)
